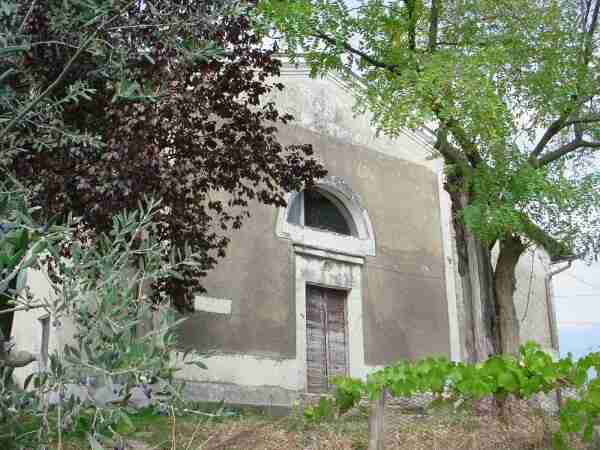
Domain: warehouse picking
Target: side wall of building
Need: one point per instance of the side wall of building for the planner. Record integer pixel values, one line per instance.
(532, 297)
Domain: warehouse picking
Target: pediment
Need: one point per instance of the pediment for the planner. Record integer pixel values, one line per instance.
(325, 105)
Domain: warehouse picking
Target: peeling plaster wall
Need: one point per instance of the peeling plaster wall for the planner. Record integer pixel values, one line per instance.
(406, 277)
(402, 293)
(326, 106)
(257, 276)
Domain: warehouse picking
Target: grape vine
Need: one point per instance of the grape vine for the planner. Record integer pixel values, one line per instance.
(533, 371)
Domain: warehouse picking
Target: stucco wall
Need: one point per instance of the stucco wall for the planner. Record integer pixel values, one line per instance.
(27, 327)
(405, 311)
(256, 276)
(326, 106)
(530, 298)
(406, 314)
(405, 308)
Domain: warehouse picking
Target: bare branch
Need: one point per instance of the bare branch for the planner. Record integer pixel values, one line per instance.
(550, 132)
(374, 62)
(571, 147)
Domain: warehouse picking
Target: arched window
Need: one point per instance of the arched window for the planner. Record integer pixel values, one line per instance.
(316, 208)
(329, 217)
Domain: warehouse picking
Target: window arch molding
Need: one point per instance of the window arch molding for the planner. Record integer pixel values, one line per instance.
(360, 242)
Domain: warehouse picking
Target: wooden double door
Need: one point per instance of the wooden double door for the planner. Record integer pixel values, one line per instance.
(326, 337)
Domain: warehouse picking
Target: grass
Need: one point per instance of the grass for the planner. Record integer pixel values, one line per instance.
(248, 429)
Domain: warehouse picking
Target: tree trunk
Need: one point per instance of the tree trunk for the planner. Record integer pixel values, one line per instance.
(490, 321)
(511, 249)
(476, 274)
(484, 310)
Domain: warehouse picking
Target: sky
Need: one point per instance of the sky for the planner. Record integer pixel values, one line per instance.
(577, 299)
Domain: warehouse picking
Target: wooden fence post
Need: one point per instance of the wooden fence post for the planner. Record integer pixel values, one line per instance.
(376, 422)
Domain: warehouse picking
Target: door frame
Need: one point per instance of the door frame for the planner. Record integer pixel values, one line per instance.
(334, 271)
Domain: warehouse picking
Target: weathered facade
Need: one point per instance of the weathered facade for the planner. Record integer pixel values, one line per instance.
(354, 274)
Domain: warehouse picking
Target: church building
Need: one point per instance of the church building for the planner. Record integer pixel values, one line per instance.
(357, 272)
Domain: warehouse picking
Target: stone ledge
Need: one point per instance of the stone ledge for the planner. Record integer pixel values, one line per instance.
(269, 397)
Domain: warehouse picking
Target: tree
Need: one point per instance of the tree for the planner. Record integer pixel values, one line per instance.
(101, 293)
(510, 89)
(107, 102)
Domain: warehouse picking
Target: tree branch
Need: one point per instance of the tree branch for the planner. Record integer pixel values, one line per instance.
(63, 73)
(50, 88)
(585, 119)
(449, 152)
(29, 11)
(589, 39)
(7, 73)
(555, 248)
(22, 308)
(452, 125)
(559, 124)
(550, 132)
(469, 147)
(412, 24)
(374, 62)
(433, 25)
(26, 258)
(565, 150)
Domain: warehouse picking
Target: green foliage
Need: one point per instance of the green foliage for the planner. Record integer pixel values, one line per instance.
(13, 406)
(532, 372)
(490, 78)
(122, 341)
(348, 393)
(22, 240)
(99, 98)
(324, 411)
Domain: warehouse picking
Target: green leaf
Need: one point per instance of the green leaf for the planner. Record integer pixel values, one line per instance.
(28, 380)
(508, 381)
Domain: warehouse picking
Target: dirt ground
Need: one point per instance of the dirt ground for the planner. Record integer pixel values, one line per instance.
(403, 432)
